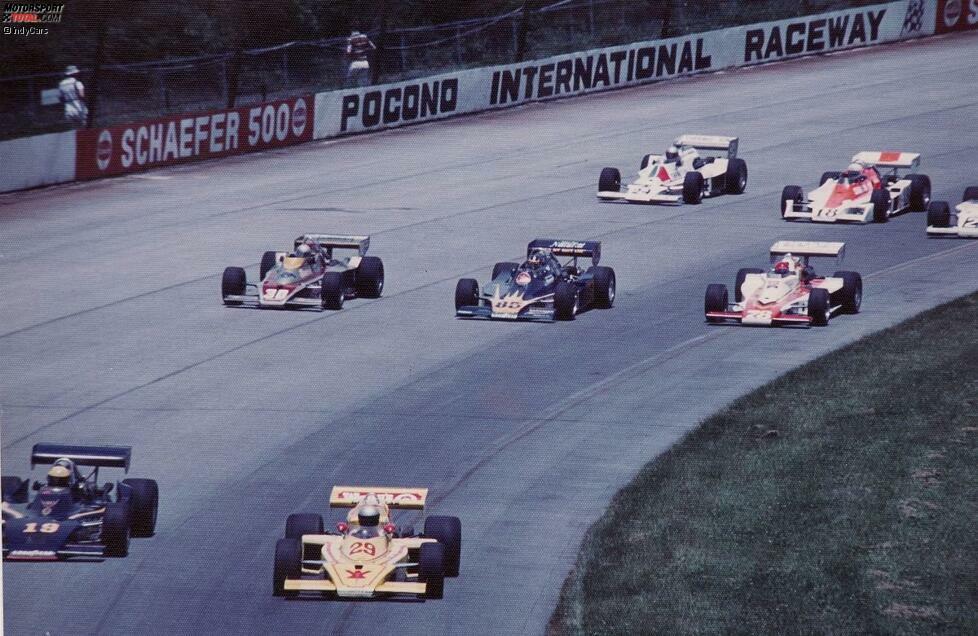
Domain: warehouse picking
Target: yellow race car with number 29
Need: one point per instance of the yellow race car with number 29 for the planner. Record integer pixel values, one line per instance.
(368, 555)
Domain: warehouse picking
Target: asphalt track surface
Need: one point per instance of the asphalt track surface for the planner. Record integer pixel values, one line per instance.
(112, 332)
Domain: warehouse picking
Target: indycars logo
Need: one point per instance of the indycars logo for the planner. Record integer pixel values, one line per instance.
(103, 150)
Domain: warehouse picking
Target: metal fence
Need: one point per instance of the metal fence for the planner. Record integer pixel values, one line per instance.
(126, 92)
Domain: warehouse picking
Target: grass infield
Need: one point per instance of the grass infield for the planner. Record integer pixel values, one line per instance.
(840, 498)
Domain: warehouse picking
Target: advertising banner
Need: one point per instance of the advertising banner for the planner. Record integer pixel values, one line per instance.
(956, 15)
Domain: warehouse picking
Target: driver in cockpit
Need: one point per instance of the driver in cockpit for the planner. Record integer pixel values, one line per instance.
(535, 263)
(368, 523)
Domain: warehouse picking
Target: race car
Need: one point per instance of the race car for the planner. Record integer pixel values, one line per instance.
(309, 275)
(963, 222)
(695, 166)
(72, 515)
(862, 193)
(368, 555)
(541, 288)
(789, 292)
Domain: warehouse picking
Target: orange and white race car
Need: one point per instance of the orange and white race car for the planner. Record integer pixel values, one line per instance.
(861, 193)
(790, 292)
(368, 555)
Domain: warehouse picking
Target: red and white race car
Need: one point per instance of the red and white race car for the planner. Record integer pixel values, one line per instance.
(861, 193)
(790, 292)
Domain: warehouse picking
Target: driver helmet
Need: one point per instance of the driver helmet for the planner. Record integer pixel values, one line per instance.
(852, 171)
(537, 258)
(782, 267)
(60, 473)
(672, 153)
(369, 516)
(303, 250)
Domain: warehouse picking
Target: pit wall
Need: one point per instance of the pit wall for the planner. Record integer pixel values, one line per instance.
(127, 148)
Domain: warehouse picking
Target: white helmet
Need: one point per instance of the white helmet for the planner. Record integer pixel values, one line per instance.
(855, 167)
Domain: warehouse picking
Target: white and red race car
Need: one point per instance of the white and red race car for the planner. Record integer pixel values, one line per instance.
(862, 193)
(789, 292)
(695, 166)
(963, 222)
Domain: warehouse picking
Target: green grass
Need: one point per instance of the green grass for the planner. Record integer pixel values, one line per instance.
(840, 498)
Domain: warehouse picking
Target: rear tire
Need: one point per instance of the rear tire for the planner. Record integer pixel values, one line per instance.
(693, 187)
(115, 529)
(919, 192)
(565, 301)
(144, 501)
(268, 262)
(233, 283)
(605, 287)
(716, 300)
(370, 277)
(828, 176)
(939, 214)
(791, 193)
(610, 180)
(741, 277)
(9, 485)
(499, 268)
(818, 307)
(288, 564)
(332, 292)
(970, 194)
(431, 569)
(466, 293)
(448, 532)
(736, 180)
(850, 297)
(881, 205)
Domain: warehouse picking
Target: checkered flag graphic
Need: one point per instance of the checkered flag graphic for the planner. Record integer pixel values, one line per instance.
(913, 22)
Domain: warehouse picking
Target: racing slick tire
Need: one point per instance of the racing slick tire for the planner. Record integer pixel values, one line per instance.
(645, 162)
(605, 286)
(115, 529)
(499, 268)
(143, 500)
(736, 179)
(431, 569)
(716, 299)
(791, 193)
(448, 532)
(9, 487)
(693, 187)
(970, 194)
(332, 292)
(370, 277)
(268, 263)
(233, 283)
(288, 564)
(610, 180)
(919, 192)
(818, 307)
(828, 176)
(302, 523)
(939, 214)
(850, 297)
(466, 293)
(741, 277)
(881, 205)
(566, 301)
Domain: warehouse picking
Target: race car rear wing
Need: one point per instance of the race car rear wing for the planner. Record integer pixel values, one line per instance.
(708, 144)
(887, 159)
(808, 249)
(584, 249)
(329, 241)
(350, 496)
(98, 456)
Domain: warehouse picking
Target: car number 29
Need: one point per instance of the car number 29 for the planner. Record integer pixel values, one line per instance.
(364, 547)
(47, 528)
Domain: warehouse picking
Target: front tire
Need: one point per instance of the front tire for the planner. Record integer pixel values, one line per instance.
(233, 283)
(818, 307)
(144, 500)
(610, 180)
(268, 262)
(736, 180)
(301, 523)
(370, 277)
(9, 485)
(115, 529)
(970, 194)
(716, 300)
(431, 569)
(448, 532)
(605, 287)
(288, 564)
(466, 293)
(791, 193)
(693, 187)
(850, 297)
(881, 205)
(919, 192)
(499, 268)
(939, 214)
(332, 293)
(565, 301)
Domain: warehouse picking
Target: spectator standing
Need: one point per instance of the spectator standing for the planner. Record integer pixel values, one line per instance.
(73, 97)
(358, 49)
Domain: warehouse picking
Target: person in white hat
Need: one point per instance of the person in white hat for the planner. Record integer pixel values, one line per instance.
(73, 97)
(358, 49)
